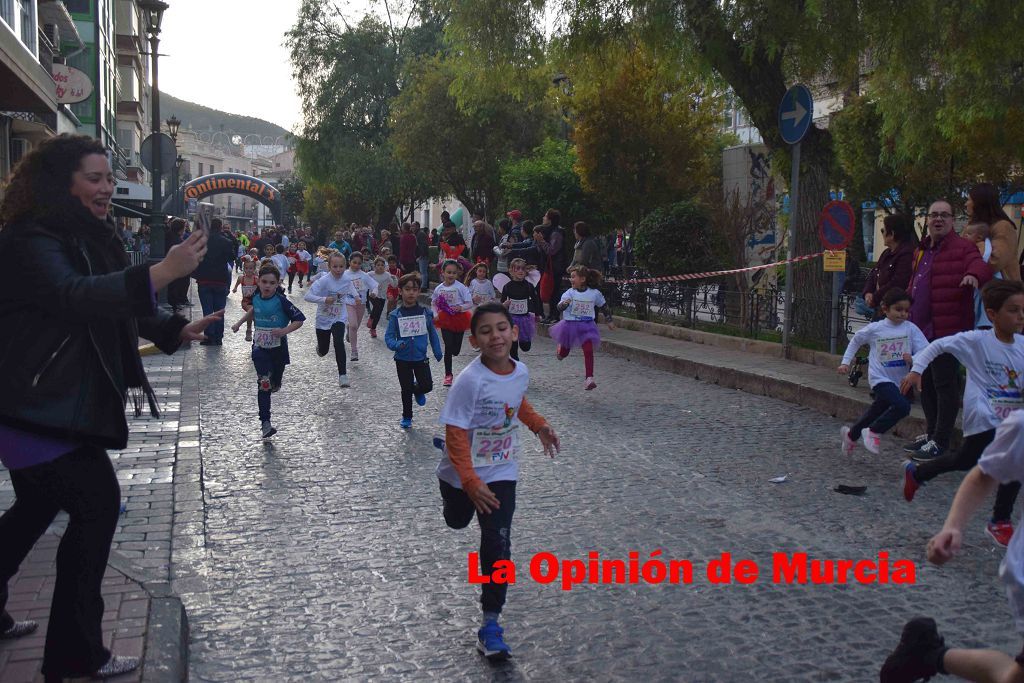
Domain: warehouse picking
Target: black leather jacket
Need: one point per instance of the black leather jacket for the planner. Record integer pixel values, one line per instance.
(69, 334)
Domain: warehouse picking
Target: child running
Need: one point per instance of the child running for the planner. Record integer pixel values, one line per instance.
(893, 340)
(329, 291)
(480, 466)
(293, 265)
(302, 263)
(363, 286)
(523, 302)
(480, 286)
(280, 259)
(275, 318)
(922, 652)
(995, 364)
(410, 327)
(393, 292)
(452, 302)
(249, 283)
(385, 282)
(578, 327)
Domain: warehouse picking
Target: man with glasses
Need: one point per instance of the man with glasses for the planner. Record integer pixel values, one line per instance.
(947, 270)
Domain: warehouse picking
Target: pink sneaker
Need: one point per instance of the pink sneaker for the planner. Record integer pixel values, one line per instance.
(846, 445)
(447, 381)
(589, 384)
(872, 441)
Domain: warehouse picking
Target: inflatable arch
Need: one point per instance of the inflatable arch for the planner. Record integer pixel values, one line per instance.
(235, 183)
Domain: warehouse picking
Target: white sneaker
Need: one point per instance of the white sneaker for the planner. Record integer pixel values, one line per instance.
(343, 381)
(872, 441)
(589, 384)
(268, 430)
(847, 444)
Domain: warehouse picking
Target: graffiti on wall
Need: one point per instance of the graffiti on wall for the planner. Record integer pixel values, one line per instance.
(762, 201)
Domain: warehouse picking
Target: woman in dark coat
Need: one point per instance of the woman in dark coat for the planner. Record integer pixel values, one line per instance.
(69, 358)
(177, 291)
(896, 264)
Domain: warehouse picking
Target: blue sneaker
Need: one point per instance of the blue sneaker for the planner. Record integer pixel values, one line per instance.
(406, 423)
(491, 644)
(421, 399)
(438, 443)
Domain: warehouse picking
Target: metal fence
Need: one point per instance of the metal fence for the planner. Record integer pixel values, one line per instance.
(137, 258)
(719, 306)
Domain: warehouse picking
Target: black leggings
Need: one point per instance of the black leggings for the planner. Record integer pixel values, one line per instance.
(291, 278)
(414, 377)
(522, 344)
(323, 344)
(963, 460)
(495, 532)
(376, 309)
(452, 347)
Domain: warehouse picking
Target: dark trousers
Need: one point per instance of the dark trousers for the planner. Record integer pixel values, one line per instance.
(213, 298)
(516, 345)
(495, 532)
(414, 378)
(452, 347)
(940, 397)
(889, 407)
(323, 344)
(963, 460)
(556, 293)
(376, 309)
(177, 291)
(269, 365)
(83, 484)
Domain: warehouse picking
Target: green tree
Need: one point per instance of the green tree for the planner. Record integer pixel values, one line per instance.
(349, 75)
(547, 178)
(293, 200)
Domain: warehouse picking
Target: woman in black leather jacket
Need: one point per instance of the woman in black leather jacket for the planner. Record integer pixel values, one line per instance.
(69, 358)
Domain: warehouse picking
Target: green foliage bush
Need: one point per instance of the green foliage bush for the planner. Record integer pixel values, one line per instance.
(677, 239)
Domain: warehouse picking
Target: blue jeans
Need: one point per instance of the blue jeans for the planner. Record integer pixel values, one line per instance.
(424, 271)
(890, 407)
(213, 298)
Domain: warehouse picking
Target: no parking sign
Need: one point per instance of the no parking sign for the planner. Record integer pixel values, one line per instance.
(835, 226)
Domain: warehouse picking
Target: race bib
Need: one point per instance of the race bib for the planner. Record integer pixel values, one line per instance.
(412, 325)
(1002, 406)
(451, 296)
(248, 291)
(890, 351)
(332, 310)
(263, 338)
(581, 308)
(291, 260)
(518, 306)
(495, 445)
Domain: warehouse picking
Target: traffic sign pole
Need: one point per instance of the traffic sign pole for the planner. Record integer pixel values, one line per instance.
(794, 196)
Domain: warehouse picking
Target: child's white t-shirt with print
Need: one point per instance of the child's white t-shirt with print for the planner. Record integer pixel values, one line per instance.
(457, 295)
(1003, 460)
(888, 342)
(582, 305)
(487, 405)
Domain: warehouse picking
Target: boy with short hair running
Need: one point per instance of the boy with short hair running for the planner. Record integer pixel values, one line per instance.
(994, 359)
(410, 329)
(922, 652)
(275, 317)
(480, 467)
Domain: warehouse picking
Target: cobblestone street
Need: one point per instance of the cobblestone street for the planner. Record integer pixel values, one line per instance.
(322, 554)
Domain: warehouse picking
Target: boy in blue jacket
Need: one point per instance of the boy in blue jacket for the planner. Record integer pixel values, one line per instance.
(409, 326)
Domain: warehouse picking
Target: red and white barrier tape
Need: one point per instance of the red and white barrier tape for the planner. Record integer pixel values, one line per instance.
(700, 276)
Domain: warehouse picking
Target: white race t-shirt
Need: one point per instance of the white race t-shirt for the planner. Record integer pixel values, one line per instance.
(888, 342)
(487, 405)
(994, 375)
(483, 289)
(281, 261)
(324, 286)
(362, 285)
(458, 296)
(582, 305)
(1003, 460)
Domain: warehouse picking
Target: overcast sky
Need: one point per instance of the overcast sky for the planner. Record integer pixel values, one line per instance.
(230, 55)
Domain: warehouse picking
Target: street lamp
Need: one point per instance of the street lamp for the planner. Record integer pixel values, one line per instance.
(173, 124)
(153, 11)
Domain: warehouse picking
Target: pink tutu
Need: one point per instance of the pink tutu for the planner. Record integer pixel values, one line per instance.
(527, 326)
(572, 334)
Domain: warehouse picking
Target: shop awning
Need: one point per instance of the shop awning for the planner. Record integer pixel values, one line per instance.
(126, 211)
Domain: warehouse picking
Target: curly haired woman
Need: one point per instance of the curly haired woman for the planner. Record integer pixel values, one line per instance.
(69, 358)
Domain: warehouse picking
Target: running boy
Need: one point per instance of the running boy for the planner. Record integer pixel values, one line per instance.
(893, 341)
(249, 284)
(922, 652)
(480, 467)
(410, 327)
(995, 365)
(275, 318)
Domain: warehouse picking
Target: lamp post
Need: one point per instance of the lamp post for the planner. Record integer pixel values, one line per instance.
(173, 125)
(153, 11)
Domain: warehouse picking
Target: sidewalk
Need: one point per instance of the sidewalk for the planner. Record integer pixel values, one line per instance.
(719, 361)
(142, 618)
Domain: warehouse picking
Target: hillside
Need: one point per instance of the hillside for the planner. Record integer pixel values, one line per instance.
(199, 118)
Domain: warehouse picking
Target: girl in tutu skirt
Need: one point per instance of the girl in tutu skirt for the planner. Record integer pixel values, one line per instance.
(521, 299)
(452, 302)
(578, 327)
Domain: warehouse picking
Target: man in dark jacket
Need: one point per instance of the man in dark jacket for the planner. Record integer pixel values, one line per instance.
(213, 277)
(947, 270)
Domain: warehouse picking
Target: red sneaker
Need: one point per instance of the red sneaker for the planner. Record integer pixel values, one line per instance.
(1001, 532)
(373, 333)
(910, 483)
(447, 381)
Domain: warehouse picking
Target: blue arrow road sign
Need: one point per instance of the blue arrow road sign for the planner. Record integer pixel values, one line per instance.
(795, 114)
